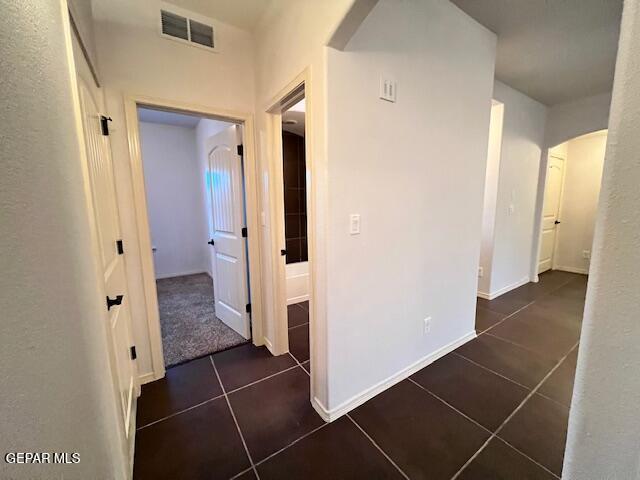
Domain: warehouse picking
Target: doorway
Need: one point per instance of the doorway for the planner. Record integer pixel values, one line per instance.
(295, 228)
(194, 184)
(572, 189)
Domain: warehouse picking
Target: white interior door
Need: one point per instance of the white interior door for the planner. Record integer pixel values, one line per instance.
(229, 254)
(105, 211)
(551, 207)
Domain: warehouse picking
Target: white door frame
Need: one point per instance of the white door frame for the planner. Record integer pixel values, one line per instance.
(142, 220)
(273, 110)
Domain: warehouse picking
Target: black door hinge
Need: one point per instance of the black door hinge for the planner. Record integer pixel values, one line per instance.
(241, 150)
(114, 301)
(244, 232)
(134, 354)
(248, 308)
(120, 247)
(104, 124)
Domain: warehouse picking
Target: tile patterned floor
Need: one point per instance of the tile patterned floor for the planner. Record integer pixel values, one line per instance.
(496, 408)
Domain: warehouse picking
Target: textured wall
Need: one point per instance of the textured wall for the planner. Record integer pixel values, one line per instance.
(415, 173)
(175, 204)
(56, 393)
(604, 426)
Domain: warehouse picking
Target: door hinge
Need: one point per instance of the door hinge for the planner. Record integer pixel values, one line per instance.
(120, 247)
(104, 124)
(134, 354)
(241, 150)
(244, 232)
(248, 308)
(111, 302)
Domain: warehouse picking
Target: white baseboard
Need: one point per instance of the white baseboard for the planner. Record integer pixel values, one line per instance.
(301, 298)
(180, 274)
(269, 345)
(503, 290)
(147, 378)
(358, 399)
(582, 271)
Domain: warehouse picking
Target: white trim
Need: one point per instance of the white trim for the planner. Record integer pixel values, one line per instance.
(582, 271)
(273, 110)
(147, 378)
(367, 394)
(142, 220)
(181, 274)
(300, 299)
(503, 290)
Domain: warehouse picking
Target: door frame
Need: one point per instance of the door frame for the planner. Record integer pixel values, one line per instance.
(131, 104)
(273, 110)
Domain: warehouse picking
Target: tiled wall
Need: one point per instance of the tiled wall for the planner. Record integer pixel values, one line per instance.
(295, 197)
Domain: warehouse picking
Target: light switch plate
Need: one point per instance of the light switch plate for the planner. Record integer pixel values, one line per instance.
(388, 89)
(354, 224)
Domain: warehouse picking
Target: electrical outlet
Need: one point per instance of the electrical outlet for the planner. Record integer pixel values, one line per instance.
(427, 325)
(586, 254)
(480, 272)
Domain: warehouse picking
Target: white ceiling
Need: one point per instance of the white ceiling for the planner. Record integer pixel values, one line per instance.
(171, 118)
(552, 50)
(244, 14)
(295, 113)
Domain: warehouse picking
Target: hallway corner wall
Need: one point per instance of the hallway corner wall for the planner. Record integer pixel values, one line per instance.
(603, 440)
(415, 173)
(57, 394)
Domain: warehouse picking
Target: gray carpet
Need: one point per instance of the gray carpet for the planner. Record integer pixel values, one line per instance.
(188, 320)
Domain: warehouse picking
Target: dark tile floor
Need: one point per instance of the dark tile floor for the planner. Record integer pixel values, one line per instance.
(496, 408)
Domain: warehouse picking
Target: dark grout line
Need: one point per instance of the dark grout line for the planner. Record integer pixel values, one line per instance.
(298, 326)
(221, 395)
(507, 317)
(235, 420)
(509, 417)
(378, 447)
(280, 451)
(490, 370)
(179, 412)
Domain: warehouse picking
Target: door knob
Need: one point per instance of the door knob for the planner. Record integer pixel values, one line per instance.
(211, 242)
(283, 252)
(557, 222)
(114, 301)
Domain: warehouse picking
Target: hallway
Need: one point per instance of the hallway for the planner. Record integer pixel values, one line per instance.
(497, 407)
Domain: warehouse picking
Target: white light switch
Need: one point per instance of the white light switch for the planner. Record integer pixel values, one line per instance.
(354, 224)
(388, 89)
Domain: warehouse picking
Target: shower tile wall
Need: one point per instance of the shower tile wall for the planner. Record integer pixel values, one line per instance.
(295, 197)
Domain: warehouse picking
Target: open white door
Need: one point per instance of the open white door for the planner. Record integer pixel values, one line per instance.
(229, 253)
(105, 214)
(551, 208)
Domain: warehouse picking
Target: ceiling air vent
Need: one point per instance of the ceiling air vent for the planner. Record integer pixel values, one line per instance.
(183, 26)
(174, 25)
(201, 33)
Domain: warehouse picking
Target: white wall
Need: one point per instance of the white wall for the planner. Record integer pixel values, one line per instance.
(175, 204)
(522, 143)
(583, 174)
(56, 394)
(492, 178)
(414, 171)
(134, 59)
(604, 425)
